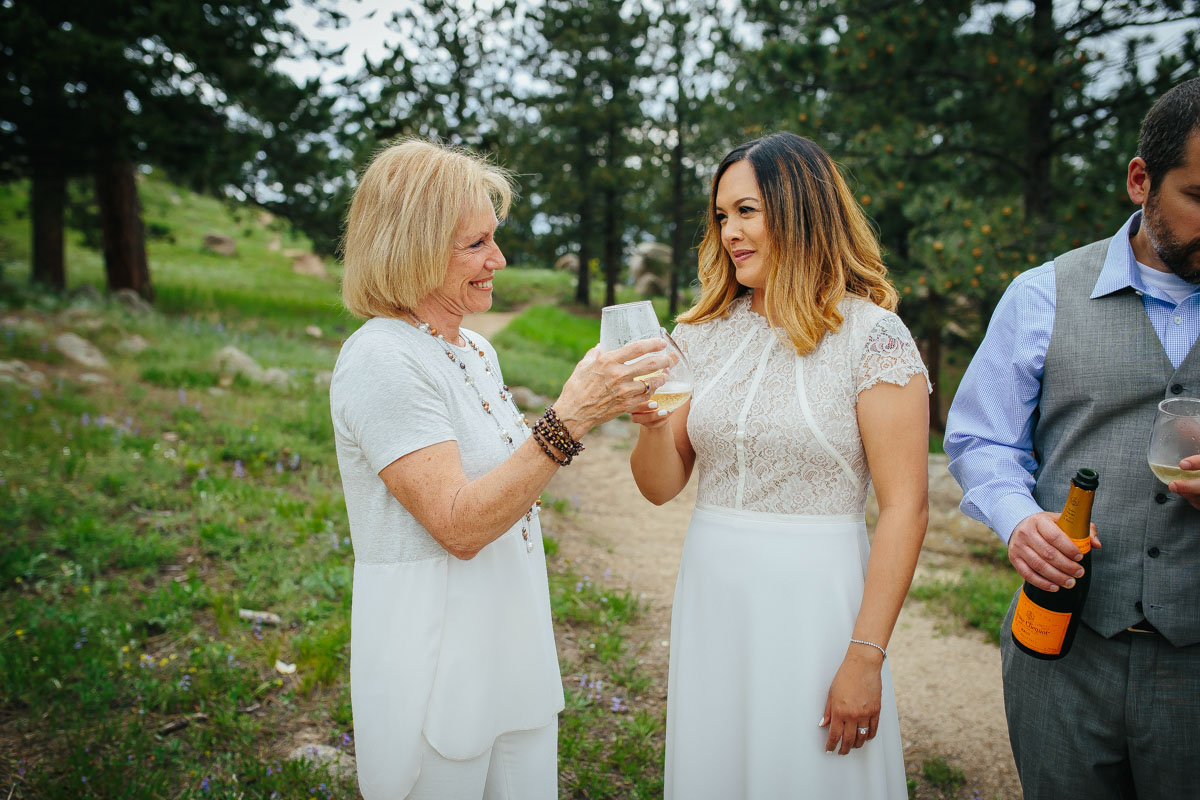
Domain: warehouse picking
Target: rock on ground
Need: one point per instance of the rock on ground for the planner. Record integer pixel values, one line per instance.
(133, 302)
(310, 264)
(80, 351)
(220, 244)
(339, 761)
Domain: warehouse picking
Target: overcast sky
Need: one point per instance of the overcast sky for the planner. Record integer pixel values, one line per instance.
(368, 35)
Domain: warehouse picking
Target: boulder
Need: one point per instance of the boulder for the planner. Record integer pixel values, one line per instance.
(314, 331)
(132, 344)
(338, 761)
(310, 264)
(93, 377)
(80, 351)
(323, 378)
(220, 244)
(25, 325)
(275, 245)
(231, 361)
(650, 285)
(650, 258)
(133, 302)
(278, 378)
(85, 296)
(567, 263)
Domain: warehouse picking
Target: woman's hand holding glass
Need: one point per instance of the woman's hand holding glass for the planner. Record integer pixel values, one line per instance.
(669, 388)
(606, 385)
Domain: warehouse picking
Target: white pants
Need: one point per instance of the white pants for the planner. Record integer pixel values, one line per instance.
(522, 765)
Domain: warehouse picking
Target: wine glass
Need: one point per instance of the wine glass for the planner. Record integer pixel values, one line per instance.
(629, 322)
(1174, 437)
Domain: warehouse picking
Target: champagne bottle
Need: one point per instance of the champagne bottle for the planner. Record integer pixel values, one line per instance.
(1044, 623)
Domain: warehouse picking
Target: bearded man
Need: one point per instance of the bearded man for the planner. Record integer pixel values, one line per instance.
(1077, 357)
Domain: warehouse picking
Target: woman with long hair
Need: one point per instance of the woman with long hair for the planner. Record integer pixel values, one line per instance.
(805, 394)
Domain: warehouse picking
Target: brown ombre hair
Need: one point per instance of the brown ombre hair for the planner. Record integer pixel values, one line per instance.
(400, 228)
(822, 247)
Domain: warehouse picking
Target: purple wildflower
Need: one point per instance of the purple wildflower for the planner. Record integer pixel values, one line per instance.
(183, 401)
(37, 393)
(279, 466)
(239, 471)
(295, 462)
(85, 419)
(204, 785)
(618, 705)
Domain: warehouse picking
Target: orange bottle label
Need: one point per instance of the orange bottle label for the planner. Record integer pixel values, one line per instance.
(1039, 629)
(1084, 545)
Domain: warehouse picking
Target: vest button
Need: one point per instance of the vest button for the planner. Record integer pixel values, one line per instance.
(1152, 552)
(1176, 388)
(1160, 498)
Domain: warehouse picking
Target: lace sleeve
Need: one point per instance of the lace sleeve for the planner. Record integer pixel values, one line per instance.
(889, 354)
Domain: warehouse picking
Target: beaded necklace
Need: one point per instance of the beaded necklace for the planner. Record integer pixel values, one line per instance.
(505, 394)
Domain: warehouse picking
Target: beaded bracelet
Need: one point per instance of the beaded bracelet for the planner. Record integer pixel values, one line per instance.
(537, 437)
(560, 436)
(871, 644)
(549, 431)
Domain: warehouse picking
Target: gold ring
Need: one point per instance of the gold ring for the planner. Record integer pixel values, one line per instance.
(645, 384)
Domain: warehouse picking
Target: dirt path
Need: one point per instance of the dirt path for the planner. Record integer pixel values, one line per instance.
(947, 683)
(488, 324)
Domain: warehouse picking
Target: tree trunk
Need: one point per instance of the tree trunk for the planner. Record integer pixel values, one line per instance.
(677, 221)
(583, 283)
(47, 200)
(931, 345)
(122, 230)
(612, 247)
(1039, 190)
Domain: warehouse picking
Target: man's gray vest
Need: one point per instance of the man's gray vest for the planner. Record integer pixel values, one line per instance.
(1105, 373)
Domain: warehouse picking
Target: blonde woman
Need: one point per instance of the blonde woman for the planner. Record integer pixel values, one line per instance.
(807, 389)
(454, 678)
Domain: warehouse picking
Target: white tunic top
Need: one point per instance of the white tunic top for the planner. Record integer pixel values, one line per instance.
(455, 651)
(784, 436)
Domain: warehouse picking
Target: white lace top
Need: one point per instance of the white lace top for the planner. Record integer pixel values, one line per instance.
(778, 432)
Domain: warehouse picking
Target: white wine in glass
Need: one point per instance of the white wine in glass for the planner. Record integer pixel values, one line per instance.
(629, 322)
(1174, 437)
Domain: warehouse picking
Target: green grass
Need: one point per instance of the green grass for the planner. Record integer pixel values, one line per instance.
(540, 347)
(978, 599)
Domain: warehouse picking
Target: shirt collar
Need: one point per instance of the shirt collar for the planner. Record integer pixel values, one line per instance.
(1120, 266)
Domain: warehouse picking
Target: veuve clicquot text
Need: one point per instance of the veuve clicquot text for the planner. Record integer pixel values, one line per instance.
(1044, 623)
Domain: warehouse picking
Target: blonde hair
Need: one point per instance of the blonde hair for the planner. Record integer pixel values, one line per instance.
(822, 247)
(400, 228)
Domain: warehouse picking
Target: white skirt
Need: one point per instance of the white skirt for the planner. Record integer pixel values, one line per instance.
(764, 607)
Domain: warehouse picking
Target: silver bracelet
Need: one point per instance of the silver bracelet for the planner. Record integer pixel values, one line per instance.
(871, 644)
